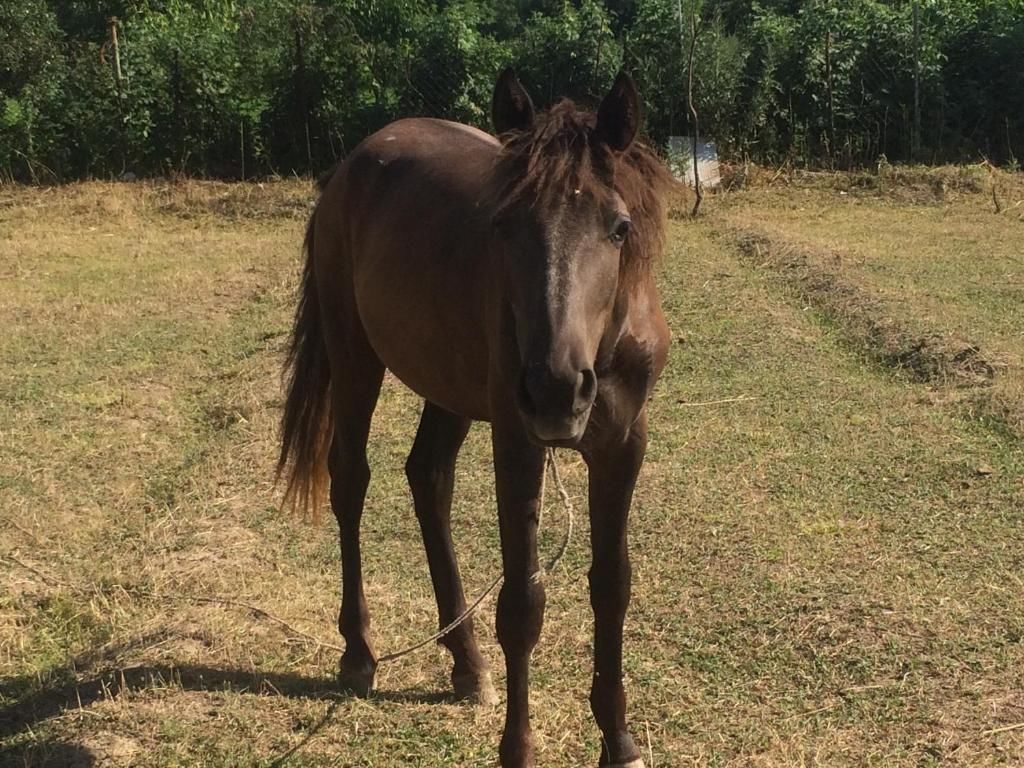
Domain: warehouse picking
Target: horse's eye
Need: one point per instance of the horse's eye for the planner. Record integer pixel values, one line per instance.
(618, 235)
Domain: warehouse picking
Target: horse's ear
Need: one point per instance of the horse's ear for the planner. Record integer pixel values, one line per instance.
(511, 107)
(618, 117)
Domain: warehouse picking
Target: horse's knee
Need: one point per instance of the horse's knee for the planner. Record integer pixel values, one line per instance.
(350, 477)
(426, 475)
(520, 613)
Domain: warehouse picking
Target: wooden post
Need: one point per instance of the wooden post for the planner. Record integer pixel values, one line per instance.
(915, 146)
(177, 101)
(1010, 157)
(300, 72)
(119, 86)
(694, 29)
(118, 77)
(831, 99)
(792, 124)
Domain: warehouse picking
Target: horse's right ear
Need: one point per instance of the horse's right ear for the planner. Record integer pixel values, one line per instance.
(511, 107)
(618, 117)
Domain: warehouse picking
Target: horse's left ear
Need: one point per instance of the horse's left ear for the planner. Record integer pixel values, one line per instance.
(618, 117)
(511, 106)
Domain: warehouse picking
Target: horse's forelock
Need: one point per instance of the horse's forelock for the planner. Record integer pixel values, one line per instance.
(560, 154)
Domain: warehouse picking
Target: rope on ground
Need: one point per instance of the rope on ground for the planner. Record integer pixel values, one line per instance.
(550, 466)
(567, 503)
(148, 594)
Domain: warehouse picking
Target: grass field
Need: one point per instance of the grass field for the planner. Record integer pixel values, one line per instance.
(828, 535)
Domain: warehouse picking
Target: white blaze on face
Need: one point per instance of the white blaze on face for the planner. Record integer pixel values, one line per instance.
(559, 263)
(579, 273)
(574, 281)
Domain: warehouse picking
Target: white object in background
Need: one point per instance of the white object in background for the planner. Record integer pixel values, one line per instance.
(680, 161)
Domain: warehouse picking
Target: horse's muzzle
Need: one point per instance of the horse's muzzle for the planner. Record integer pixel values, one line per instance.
(555, 405)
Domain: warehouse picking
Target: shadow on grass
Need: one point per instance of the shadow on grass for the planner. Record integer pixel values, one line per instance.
(32, 704)
(48, 754)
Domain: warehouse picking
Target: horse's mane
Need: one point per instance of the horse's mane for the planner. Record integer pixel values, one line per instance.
(561, 155)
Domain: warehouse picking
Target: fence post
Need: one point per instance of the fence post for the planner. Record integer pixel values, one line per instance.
(915, 145)
(300, 73)
(112, 22)
(694, 30)
(831, 99)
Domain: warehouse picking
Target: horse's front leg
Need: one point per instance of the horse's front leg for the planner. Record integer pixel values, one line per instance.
(613, 466)
(519, 468)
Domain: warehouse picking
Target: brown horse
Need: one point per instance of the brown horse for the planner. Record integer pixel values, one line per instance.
(504, 280)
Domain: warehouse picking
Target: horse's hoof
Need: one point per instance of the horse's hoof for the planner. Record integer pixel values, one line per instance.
(357, 679)
(638, 763)
(475, 689)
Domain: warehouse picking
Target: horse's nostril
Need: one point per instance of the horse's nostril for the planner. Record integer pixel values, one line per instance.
(555, 396)
(586, 390)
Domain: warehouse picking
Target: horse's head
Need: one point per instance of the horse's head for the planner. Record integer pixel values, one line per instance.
(565, 234)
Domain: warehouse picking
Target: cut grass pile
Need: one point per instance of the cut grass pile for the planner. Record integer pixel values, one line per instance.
(827, 564)
(934, 289)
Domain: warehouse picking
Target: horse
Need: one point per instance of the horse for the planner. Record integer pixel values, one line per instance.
(503, 279)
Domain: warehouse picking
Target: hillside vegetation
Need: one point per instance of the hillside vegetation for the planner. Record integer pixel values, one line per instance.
(225, 88)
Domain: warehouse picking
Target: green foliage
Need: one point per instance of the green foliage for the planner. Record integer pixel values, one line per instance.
(231, 87)
(570, 52)
(658, 52)
(182, 70)
(451, 69)
(32, 80)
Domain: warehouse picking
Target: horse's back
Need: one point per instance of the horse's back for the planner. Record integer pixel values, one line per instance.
(409, 207)
(420, 154)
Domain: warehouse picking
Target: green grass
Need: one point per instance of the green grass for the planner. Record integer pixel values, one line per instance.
(915, 266)
(827, 568)
(956, 266)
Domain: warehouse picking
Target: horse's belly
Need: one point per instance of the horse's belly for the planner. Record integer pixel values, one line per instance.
(417, 235)
(425, 329)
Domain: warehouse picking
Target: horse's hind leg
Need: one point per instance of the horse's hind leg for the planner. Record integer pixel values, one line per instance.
(355, 381)
(431, 472)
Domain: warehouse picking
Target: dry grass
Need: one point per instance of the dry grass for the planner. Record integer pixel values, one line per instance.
(901, 184)
(828, 567)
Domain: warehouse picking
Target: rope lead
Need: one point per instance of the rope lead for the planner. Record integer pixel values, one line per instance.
(551, 467)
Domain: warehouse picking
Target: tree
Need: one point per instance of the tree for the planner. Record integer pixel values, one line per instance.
(226, 87)
(32, 77)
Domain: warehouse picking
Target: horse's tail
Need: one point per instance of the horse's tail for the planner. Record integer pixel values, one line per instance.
(306, 424)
